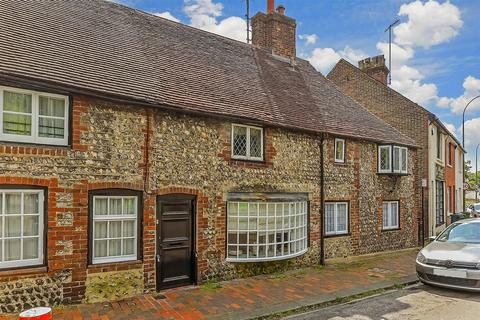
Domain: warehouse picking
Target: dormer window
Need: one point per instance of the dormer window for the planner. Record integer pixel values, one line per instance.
(247, 142)
(392, 159)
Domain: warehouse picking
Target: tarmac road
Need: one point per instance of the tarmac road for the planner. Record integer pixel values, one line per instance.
(416, 302)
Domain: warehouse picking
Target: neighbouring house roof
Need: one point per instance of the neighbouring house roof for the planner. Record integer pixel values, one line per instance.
(109, 49)
(372, 81)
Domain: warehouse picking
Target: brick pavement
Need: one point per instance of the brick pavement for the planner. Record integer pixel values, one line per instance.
(256, 296)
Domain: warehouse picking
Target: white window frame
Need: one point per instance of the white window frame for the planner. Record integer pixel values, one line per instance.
(336, 216)
(385, 224)
(342, 159)
(391, 162)
(24, 262)
(380, 169)
(35, 138)
(299, 219)
(248, 156)
(400, 160)
(107, 218)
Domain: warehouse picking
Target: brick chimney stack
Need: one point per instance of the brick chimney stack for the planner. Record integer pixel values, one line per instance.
(375, 67)
(274, 31)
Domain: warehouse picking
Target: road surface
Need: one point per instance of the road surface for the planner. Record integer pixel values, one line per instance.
(417, 302)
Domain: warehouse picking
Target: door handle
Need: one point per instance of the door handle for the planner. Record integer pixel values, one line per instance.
(158, 258)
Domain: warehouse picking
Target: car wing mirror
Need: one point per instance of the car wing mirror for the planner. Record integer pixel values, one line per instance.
(432, 238)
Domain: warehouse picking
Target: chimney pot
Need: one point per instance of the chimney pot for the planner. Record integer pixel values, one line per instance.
(281, 10)
(270, 6)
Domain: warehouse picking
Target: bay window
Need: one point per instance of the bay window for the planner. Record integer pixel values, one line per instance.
(392, 159)
(247, 142)
(266, 230)
(115, 221)
(21, 228)
(33, 117)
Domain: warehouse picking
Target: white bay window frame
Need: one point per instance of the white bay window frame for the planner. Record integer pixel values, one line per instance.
(20, 263)
(284, 222)
(248, 155)
(397, 159)
(34, 137)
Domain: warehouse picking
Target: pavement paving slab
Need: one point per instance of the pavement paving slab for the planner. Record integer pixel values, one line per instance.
(256, 296)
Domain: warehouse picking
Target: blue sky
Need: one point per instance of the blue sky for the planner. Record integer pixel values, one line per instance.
(436, 47)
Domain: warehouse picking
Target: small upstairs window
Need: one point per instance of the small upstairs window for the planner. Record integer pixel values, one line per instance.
(340, 150)
(247, 142)
(33, 117)
(392, 159)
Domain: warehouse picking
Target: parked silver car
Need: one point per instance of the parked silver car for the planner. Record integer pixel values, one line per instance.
(452, 260)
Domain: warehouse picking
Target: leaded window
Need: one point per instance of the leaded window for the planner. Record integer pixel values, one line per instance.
(392, 159)
(115, 220)
(391, 216)
(336, 218)
(33, 117)
(263, 231)
(247, 142)
(21, 228)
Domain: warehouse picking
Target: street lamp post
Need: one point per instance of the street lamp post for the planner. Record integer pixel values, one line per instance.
(463, 121)
(463, 144)
(476, 174)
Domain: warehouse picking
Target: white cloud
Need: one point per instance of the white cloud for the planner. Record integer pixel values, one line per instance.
(166, 15)
(428, 24)
(406, 79)
(309, 38)
(203, 14)
(400, 55)
(471, 87)
(323, 59)
(472, 132)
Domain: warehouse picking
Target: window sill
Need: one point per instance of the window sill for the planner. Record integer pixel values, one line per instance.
(339, 163)
(326, 236)
(268, 259)
(393, 174)
(33, 149)
(247, 160)
(23, 271)
(109, 264)
(394, 229)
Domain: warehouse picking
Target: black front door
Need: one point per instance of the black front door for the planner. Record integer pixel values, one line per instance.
(175, 241)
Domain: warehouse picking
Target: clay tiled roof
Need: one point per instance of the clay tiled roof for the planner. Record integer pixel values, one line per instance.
(109, 49)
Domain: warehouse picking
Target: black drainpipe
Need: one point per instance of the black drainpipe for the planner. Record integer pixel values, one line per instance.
(322, 199)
